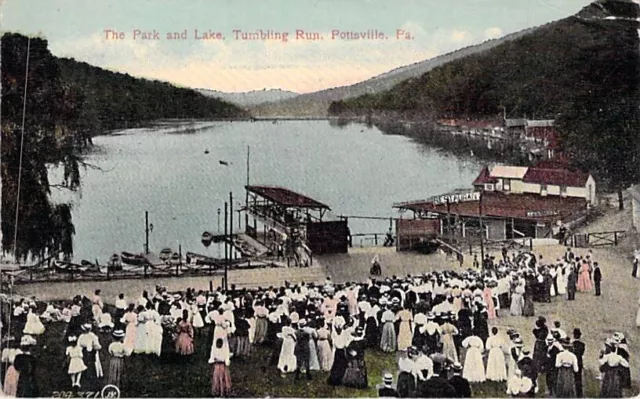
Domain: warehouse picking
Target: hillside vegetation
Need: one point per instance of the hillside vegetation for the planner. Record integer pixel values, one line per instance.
(68, 102)
(582, 71)
(316, 104)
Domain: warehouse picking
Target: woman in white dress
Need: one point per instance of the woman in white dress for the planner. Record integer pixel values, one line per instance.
(142, 333)
(287, 361)
(496, 366)
(154, 331)
(197, 320)
(76, 364)
(473, 369)
(517, 300)
(131, 320)
(562, 280)
(33, 326)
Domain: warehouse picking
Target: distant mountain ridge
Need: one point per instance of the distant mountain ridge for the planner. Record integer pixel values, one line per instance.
(554, 66)
(251, 98)
(317, 103)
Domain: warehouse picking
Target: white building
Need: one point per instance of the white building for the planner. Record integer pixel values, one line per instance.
(531, 180)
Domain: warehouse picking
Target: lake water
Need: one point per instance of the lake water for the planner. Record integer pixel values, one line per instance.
(354, 169)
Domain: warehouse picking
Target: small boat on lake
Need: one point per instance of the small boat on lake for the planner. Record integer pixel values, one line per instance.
(132, 259)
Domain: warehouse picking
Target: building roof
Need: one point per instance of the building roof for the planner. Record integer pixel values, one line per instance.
(518, 206)
(508, 172)
(557, 177)
(286, 197)
(515, 122)
(540, 123)
(484, 177)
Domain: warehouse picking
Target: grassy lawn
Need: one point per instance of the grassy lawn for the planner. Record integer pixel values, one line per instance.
(145, 376)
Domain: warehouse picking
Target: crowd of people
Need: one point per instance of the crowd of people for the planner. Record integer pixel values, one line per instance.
(437, 323)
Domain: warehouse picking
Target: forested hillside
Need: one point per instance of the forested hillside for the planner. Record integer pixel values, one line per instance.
(583, 71)
(67, 102)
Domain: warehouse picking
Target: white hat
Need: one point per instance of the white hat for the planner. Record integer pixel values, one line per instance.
(27, 340)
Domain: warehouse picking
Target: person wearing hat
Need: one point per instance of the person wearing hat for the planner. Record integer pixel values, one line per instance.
(551, 372)
(448, 330)
(612, 367)
(407, 371)
(597, 277)
(74, 358)
(388, 341)
(496, 366)
(355, 376)
(387, 390)
(473, 364)
(526, 366)
(578, 349)
(302, 350)
(459, 383)
(437, 386)
(117, 351)
(567, 365)
(515, 351)
(90, 345)
(25, 365)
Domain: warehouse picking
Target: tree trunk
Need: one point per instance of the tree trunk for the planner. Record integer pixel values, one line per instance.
(620, 200)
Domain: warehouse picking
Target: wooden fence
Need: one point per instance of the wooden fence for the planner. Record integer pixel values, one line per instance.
(597, 239)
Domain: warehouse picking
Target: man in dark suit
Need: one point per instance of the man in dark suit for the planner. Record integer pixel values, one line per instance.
(387, 390)
(459, 383)
(597, 277)
(528, 369)
(578, 349)
(437, 386)
(302, 350)
(571, 285)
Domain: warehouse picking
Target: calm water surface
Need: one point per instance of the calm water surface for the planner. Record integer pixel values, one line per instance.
(354, 169)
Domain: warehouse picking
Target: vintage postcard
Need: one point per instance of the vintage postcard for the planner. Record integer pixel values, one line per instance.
(320, 198)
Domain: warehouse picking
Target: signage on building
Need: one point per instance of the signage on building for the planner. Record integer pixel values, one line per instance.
(457, 197)
(538, 214)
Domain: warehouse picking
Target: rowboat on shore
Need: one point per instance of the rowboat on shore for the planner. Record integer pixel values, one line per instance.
(132, 259)
(165, 254)
(197, 259)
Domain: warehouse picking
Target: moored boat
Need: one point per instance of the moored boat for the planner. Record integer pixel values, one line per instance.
(132, 259)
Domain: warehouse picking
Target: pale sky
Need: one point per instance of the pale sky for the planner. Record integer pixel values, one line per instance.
(75, 28)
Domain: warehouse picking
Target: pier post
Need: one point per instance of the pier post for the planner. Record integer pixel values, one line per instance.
(226, 244)
(146, 232)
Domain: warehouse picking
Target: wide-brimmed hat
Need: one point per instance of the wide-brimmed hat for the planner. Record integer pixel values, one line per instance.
(72, 338)
(302, 322)
(118, 333)
(518, 342)
(412, 351)
(387, 379)
(457, 367)
(431, 316)
(27, 340)
(86, 326)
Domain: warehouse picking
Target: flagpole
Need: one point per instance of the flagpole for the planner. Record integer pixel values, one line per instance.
(246, 194)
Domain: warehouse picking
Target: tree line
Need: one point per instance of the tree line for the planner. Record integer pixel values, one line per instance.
(582, 71)
(67, 103)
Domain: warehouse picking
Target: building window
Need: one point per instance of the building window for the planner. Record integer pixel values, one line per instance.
(488, 187)
(506, 184)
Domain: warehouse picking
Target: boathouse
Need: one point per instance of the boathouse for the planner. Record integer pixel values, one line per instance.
(509, 202)
(289, 219)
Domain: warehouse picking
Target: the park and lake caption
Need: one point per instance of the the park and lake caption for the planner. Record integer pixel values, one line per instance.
(255, 35)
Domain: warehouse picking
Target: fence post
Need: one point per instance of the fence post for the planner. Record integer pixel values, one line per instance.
(375, 238)
(615, 238)
(530, 244)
